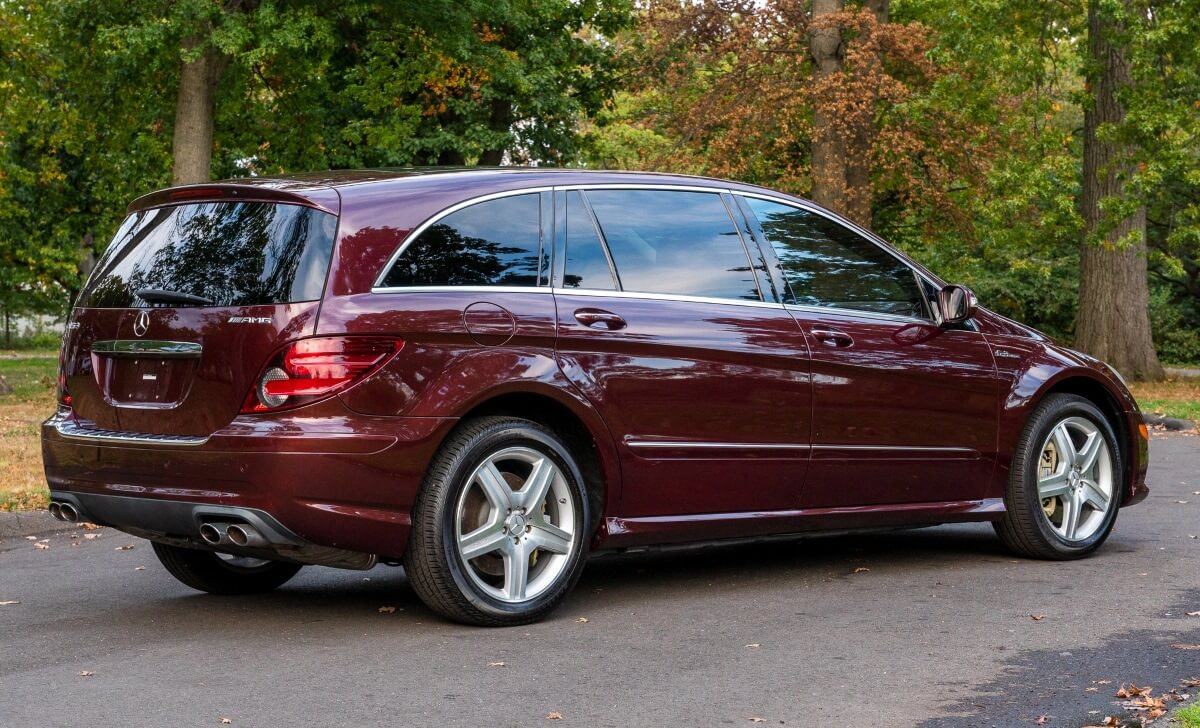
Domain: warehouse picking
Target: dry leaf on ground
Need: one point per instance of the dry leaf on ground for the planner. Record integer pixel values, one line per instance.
(554, 715)
(583, 620)
(7, 602)
(1037, 617)
(496, 664)
(86, 673)
(387, 610)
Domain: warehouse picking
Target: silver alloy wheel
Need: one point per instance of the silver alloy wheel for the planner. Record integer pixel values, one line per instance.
(1075, 478)
(515, 524)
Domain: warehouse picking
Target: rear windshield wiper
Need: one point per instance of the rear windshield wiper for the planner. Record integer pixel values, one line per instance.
(156, 295)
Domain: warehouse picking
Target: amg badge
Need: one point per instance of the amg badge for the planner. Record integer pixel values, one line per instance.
(249, 319)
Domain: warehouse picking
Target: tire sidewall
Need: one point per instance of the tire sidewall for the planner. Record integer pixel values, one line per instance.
(476, 451)
(1045, 422)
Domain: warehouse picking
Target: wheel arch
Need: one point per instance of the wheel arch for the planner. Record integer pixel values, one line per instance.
(585, 433)
(1085, 384)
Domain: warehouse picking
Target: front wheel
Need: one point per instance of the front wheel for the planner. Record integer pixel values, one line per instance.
(499, 530)
(1066, 482)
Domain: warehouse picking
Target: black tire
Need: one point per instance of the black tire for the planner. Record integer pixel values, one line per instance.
(432, 560)
(1024, 529)
(207, 572)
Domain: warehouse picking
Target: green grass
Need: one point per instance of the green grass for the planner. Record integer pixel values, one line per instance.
(31, 374)
(1188, 717)
(1173, 398)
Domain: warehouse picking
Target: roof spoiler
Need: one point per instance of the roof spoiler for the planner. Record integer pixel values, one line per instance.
(320, 198)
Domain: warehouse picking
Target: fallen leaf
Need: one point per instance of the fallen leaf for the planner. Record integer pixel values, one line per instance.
(139, 568)
(753, 646)
(1103, 682)
(1092, 689)
(756, 719)
(86, 673)
(1193, 682)
(1132, 691)
(1185, 646)
(1042, 720)
(1037, 617)
(88, 526)
(387, 610)
(31, 538)
(496, 664)
(582, 620)
(8, 602)
(41, 545)
(860, 570)
(1181, 502)
(126, 547)
(225, 721)
(1193, 614)
(554, 715)
(90, 536)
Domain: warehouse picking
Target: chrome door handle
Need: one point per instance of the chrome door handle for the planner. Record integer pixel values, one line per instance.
(597, 318)
(833, 337)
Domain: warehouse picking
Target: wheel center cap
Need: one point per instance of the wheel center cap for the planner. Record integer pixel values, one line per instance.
(515, 523)
(1073, 479)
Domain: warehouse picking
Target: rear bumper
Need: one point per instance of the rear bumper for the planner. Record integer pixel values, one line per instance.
(329, 478)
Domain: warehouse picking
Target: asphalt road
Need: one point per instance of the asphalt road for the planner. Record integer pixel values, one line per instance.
(937, 632)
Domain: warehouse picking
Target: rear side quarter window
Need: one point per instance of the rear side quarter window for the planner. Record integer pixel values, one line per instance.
(490, 243)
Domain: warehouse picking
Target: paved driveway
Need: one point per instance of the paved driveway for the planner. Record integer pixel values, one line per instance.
(929, 627)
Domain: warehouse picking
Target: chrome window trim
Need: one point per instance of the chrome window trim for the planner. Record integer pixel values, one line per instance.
(858, 313)
(799, 204)
(664, 297)
(461, 289)
(416, 232)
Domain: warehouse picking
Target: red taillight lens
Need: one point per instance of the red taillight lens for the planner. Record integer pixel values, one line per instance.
(64, 397)
(311, 369)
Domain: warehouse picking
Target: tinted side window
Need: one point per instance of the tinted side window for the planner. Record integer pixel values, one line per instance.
(492, 243)
(587, 265)
(231, 253)
(826, 264)
(674, 242)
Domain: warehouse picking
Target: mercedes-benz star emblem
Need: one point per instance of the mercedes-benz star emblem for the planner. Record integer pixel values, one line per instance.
(141, 323)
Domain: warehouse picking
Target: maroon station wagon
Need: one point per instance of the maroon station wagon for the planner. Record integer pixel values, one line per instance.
(486, 375)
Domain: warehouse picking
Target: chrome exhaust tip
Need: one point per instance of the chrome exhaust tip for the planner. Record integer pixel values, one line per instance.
(240, 534)
(68, 512)
(56, 510)
(211, 533)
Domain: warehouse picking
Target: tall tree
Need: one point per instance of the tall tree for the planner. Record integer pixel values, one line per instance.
(1113, 321)
(829, 152)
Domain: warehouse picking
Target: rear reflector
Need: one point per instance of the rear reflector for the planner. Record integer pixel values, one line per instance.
(312, 369)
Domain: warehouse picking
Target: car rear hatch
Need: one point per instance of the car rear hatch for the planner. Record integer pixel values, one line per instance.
(199, 287)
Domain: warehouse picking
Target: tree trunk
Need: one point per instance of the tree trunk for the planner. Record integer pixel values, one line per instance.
(193, 135)
(1113, 322)
(858, 148)
(828, 149)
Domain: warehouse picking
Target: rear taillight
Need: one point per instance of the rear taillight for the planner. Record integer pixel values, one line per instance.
(64, 397)
(311, 369)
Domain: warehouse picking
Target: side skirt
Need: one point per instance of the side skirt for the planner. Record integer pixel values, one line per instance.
(616, 532)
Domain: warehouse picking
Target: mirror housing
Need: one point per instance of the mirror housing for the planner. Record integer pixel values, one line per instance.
(956, 304)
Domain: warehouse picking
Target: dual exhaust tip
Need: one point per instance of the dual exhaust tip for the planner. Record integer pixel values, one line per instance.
(64, 511)
(237, 534)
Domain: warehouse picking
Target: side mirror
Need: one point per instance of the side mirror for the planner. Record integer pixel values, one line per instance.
(956, 304)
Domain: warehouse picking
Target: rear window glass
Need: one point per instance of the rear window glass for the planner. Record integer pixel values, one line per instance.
(231, 253)
(492, 243)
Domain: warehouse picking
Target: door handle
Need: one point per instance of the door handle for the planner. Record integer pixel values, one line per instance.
(597, 318)
(833, 337)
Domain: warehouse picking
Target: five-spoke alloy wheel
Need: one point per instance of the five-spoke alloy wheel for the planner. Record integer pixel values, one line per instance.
(1064, 492)
(501, 525)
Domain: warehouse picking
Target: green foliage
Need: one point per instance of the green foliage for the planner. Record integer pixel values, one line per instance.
(89, 89)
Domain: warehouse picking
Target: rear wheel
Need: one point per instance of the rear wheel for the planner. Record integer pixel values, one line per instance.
(500, 528)
(216, 573)
(1066, 482)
